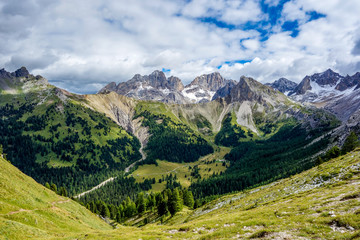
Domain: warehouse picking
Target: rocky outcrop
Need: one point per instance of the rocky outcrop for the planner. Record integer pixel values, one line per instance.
(149, 87)
(283, 85)
(329, 77)
(225, 90)
(211, 82)
(157, 87)
(248, 89)
(303, 86)
(349, 82)
(21, 79)
(204, 87)
(21, 72)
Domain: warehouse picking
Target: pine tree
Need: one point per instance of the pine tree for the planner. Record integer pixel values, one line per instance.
(188, 198)
(47, 185)
(174, 203)
(350, 143)
(53, 187)
(105, 210)
(162, 205)
(140, 203)
(113, 211)
(63, 192)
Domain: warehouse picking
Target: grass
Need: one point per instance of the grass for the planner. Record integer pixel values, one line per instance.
(29, 210)
(303, 206)
(182, 170)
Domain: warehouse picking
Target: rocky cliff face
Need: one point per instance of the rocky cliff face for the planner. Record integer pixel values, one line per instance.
(225, 90)
(149, 87)
(204, 87)
(170, 90)
(283, 85)
(12, 82)
(330, 90)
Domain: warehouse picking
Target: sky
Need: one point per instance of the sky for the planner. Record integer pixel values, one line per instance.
(83, 45)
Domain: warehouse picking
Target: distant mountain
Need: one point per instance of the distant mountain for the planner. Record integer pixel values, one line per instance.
(204, 87)
(150, 87)
(283, 85)
(322, 85)
(338, 94)
(157, 87)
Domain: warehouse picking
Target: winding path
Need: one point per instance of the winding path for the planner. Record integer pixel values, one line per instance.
(113, 178)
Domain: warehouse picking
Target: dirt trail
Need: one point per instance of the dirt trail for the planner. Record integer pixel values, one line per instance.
(113, 178)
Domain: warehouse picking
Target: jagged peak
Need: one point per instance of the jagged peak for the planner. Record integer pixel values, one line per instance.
(21, 72)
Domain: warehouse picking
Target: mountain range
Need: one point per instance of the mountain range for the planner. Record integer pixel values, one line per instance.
(327, 90)
(213, 136)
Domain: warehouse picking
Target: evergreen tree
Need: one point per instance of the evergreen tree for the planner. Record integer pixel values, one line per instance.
(197, 203)
(174, 203)
(151, 201)
(188, 198)
(63, 191)
(162, 205)
(332, 153)
(47, 185)
(113, 211)
(119, 217)
(53, 187)
(350, 143)
(105, 210)
(140, 203)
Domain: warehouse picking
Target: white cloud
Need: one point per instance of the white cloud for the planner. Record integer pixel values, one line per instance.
(86, 44)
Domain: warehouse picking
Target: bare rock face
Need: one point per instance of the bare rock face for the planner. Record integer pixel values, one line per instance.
(21, 78)
(349, 82)
(225, 90)
(302, 87)
(283, 85)
(251, 90)
(175, 83)
(205, 87)
(154, 87)
(157, 87)
(329, 77)
(21, 72)
(211, 82)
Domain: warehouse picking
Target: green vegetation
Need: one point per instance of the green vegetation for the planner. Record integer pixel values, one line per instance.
(171, 140)
(256, 162)
(351, 142)
(303, 206)
(231, 134)
(186, 173)
(65, 143)
(31, 211)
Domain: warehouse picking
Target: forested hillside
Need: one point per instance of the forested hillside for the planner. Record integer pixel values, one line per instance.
(52, 137)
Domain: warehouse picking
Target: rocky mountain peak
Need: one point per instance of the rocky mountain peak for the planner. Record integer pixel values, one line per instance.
(210, 82)
(175, 83)
(21, 72)
(283, 85)
(245, 90)
(329, 77)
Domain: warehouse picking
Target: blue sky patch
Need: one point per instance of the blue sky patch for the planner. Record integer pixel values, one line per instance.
(314, 15)
(166, 70)
(291, 26)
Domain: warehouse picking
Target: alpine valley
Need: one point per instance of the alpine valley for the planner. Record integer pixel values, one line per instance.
(150, 158)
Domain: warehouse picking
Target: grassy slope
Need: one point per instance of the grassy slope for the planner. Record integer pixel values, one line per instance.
(29, 210)
(322, 202)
